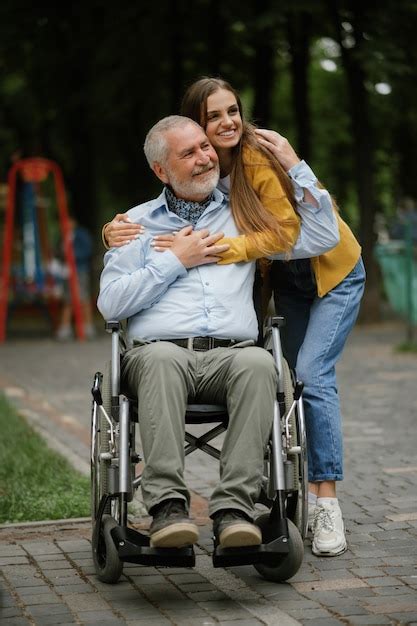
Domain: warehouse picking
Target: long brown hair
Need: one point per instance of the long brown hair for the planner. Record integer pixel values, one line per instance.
(250, 215)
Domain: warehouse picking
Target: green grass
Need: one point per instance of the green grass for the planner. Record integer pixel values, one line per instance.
(407, 346)
(36, 483)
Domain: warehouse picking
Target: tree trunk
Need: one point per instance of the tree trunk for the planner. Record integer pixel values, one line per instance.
(363, 154)
(264, 70)
(298, 27)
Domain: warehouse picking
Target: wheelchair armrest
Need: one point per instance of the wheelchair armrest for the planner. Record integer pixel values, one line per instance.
(112, 325)
(276, 320)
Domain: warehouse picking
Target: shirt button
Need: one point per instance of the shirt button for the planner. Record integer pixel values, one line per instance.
(207, 284)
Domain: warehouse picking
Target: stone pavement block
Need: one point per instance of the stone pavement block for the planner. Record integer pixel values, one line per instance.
(178, 579)
(31, 591)
(80, 587)
(40, 547)
(367, 572)
(42, 599)
(195, 587)
(7, 612)
(330, 585)
(326, 598)
(136, 603)
(107, 618)
(35, 579)
(222, 611)
(157, 579)
(395, 604)
(61, 619)
(409, 618)
(6, 600)
(47, 609)
(161, 621)
(394, 525)
(383, 581)
(62, 564)
(207, 596)
(9, 549)
(139, 612)
(394, 591)
(84, 602)
(402, 571)
(366, 592)
(302, 603)
(57, 556)
(13, 560)
(74, 545)
(310, 614)
(365, 620)
(242, 622)
(351, 609)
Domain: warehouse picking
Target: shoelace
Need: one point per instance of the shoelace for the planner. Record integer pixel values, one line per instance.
(325, 519)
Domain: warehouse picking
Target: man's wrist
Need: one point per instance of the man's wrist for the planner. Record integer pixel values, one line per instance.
(103, 236)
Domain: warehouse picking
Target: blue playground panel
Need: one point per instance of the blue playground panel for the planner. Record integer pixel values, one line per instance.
(393, 263)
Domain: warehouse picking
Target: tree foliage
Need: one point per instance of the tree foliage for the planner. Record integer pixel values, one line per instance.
(82, 83)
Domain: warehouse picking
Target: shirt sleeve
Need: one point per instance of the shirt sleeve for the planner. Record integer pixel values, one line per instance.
(272, 196)
(319, 231)
(128, 284)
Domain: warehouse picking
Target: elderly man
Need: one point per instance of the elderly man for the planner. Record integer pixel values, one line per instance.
(191, 330)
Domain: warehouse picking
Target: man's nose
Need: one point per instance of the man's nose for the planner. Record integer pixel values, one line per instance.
(203, 157)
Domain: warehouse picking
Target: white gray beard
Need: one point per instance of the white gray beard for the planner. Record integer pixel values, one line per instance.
(195, 187)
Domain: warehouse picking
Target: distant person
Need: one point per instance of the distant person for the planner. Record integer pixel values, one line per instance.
(83, 247)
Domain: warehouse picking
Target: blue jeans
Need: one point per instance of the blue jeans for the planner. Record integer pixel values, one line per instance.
(313, 340)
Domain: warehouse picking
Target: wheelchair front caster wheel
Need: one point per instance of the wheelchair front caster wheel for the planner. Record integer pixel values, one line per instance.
(106, 559)
(289, 564)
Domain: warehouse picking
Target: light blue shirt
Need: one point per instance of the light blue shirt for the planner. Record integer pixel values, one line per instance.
(164, 300)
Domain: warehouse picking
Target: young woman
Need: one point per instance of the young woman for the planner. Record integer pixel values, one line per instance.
(318, 296)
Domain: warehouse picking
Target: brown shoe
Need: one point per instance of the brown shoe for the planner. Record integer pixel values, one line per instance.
(232, 529)
(171, 526)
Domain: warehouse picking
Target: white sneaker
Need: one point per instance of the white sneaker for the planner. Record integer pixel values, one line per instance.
(328, 530)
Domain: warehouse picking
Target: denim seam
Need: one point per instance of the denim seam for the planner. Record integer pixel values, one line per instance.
(329, 344)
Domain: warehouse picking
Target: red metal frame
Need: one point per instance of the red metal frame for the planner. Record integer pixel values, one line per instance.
(36, 170)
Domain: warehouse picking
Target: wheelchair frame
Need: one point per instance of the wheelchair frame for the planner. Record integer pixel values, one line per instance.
(113, 461)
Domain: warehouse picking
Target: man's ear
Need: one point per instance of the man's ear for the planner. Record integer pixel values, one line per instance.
(159, 171)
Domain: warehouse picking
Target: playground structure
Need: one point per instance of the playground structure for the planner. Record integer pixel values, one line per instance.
(27, 275)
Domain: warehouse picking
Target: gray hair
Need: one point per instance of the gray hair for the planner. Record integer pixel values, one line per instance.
(156, 145)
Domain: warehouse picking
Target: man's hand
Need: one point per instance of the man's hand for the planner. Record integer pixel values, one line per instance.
(121, 230)
(279, 146)
(192, 247)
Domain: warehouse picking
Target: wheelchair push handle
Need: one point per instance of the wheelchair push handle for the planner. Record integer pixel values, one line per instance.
(96, 391)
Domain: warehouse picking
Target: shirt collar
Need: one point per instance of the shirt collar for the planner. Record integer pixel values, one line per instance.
(217, 199)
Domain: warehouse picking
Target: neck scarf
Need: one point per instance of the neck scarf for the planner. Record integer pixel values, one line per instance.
(188, 211)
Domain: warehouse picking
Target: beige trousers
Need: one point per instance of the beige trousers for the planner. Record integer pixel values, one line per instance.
(165, 377)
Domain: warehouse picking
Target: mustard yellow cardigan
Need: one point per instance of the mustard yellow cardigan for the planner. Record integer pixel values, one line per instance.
(329, 268)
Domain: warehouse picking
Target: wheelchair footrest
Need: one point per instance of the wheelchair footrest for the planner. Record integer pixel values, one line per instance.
(266, 553)
(133, 547)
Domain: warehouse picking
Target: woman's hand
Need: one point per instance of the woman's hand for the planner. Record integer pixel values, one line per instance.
(279, 146)
(121, 231)
(161, 243)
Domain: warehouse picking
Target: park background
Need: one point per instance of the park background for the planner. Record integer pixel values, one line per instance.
(82, 82)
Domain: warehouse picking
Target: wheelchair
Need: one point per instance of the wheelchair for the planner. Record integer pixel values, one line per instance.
(283, 492)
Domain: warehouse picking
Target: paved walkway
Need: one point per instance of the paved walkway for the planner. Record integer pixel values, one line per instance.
(47, 575)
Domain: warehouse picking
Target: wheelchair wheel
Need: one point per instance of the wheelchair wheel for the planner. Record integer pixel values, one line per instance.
(100, 444)
(107, 563)
(290, 563)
